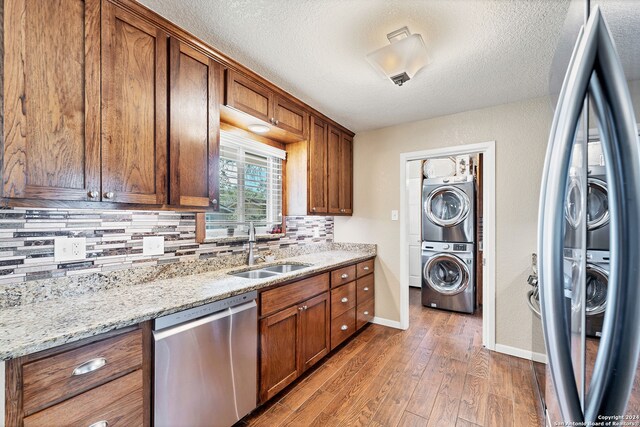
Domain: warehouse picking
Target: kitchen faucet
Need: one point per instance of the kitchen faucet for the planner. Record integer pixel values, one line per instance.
(252, 239)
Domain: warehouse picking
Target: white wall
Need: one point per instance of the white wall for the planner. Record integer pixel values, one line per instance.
(521, 131)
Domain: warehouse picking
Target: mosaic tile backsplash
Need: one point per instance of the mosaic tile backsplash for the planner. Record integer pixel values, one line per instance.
(114, 240)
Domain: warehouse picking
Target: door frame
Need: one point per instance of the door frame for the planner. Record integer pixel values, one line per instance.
(488, 150)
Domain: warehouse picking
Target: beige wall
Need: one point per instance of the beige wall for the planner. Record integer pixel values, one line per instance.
(521, 131)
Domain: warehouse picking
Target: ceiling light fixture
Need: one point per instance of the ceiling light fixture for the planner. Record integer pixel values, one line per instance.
(402, 59)
(258, 128)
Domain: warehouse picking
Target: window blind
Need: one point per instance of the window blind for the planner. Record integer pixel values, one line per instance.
(250, 183)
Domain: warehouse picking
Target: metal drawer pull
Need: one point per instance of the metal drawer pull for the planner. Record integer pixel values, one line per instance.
(344, 327)
(102, 423)
(300, 308)
(365, 289)
(366, 313)
(344, 276)
(366, 268)
(90, 366)
(345, 299)
(304, 307)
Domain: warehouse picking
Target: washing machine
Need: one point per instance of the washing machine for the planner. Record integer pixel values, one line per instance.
(448, 276)
(596, 292)
(597, 211)
(448, 209)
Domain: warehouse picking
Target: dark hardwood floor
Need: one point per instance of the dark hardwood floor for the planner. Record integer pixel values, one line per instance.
(436, 373)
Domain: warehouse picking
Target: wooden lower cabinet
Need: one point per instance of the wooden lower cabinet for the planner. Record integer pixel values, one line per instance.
(314, 321)
(291, 341)
(106, 378)
(117, 403)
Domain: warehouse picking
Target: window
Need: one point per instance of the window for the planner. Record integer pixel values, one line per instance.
(250, 188)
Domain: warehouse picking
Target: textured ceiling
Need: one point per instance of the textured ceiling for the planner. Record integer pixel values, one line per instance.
(482, 52)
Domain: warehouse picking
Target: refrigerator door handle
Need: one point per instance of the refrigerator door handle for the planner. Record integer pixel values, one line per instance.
(617, 357)
(551, 221)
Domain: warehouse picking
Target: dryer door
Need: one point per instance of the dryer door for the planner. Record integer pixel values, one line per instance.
(597, 284)
(446, 274)
(597, 204)
(447, 206)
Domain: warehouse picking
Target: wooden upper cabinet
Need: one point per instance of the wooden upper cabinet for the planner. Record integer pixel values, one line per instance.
(290, 116)
(247, 95)
(340, 172)
(333, 171)
(134, 108)
(346, 174)
(195, 93)
(51, 99)
(317, 167)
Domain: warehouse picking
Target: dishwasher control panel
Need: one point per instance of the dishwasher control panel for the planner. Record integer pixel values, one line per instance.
(203, 310)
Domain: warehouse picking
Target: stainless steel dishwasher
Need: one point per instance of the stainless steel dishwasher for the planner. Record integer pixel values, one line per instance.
(206, 364)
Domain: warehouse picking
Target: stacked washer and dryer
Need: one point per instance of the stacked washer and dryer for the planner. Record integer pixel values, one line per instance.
(448, 249)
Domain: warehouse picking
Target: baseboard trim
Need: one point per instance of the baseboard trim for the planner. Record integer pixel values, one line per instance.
(386, 322)
(523, 354)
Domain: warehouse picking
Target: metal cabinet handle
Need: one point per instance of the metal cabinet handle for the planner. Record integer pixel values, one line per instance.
(366, 313)
(365, 268)
(345, 299)
(214, 201)
(277, 122)
(313, 209)
(89, 366)
(344, 275)
(365, 289)
(304, 307)
(342, 210)
(344, 327)
(108, 195)
(300, 308)
(93, 194)
(102, 423)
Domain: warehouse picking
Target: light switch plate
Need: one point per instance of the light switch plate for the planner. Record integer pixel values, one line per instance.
(69, 248)
(153, 245)
(394, 215)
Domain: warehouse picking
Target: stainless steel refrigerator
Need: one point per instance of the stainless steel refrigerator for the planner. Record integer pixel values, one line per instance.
(595, 80)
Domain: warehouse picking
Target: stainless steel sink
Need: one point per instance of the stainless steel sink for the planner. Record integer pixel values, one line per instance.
(284, 268)
(254, 274)
(264, 272)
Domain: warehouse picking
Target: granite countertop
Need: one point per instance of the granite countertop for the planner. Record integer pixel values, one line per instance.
(36, 326)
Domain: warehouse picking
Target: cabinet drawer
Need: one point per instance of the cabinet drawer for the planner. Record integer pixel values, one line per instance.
(342, 327)
(343, 275)
(342, 299)
(364, 268)
(365, 313)
(119, 403)
(285, 296)
(50, 380)
(365, 288)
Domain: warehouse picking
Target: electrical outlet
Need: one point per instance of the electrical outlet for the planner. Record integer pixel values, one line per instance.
(153, 245)
(69, 248)
(394, 215)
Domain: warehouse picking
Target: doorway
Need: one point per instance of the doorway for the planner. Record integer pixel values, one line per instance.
(408, 237)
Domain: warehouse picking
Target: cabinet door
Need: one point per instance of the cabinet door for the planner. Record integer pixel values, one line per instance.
(279, 358)
(346, 174)
(52, 99)
(249, 96)
(194, 126)
(334, 161)
(315, 330)
(290, 116)
(134, 109)
(317, 167)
